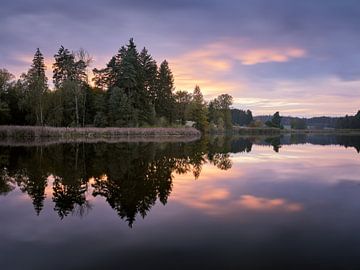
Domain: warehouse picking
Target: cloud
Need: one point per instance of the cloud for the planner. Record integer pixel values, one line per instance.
(264, 204)
(245, 47)
(258, 56)
(209, 65)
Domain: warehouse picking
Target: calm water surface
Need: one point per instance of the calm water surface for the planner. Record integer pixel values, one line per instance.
(221, 203)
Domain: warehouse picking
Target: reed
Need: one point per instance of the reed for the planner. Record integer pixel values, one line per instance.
(35, 132)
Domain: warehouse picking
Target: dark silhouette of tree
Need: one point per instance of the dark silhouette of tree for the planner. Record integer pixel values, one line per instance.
(349, 122)
(275, 121)
(164, 99)
(241, 118)
(36, 89)
(198, 110)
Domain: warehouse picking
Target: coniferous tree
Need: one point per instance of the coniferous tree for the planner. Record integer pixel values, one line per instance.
(37, 88)
(275, 121)
(164, 101)
(120, 111)
(148, 83)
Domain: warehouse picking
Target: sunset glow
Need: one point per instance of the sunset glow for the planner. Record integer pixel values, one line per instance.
(262, 54)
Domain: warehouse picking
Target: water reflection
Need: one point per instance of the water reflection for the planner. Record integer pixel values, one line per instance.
(132, 177)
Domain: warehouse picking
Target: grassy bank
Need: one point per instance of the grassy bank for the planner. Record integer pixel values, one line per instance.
(32, 133)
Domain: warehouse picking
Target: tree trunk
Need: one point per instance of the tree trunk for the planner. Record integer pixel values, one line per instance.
(77, 110)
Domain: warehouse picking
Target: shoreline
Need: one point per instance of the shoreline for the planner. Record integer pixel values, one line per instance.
(277, 131)
(26, 134)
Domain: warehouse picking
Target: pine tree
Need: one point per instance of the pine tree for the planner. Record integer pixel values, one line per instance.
(37, 87)
(64, 68)
(164, 101)
(148, 81)
(120, 111)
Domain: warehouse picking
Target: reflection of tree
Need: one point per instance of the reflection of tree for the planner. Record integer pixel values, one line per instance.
(349, 141)
(135, 187)
(132, 177)
(222, 161)
(67, 196)
(34, 186)
(6, 182)
(275, 142)
(32, 179)
(70, 182)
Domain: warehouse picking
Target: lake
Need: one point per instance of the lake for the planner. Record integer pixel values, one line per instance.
(289, 202)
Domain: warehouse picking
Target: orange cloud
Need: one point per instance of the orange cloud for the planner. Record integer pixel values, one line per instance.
(215, 195)
(207, 65)
(258, 56)
(263, 204)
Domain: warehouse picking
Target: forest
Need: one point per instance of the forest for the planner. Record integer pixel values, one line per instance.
(131, 91)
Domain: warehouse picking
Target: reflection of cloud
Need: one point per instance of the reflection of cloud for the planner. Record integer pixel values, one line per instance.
(207, 196)
(263, 204)
(216, 194)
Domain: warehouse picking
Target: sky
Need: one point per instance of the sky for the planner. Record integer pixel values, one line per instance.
(301, 58)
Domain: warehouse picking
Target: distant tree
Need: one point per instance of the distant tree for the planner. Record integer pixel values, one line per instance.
(275, 121)
(298, 123)
(241, 117)
(349, 122)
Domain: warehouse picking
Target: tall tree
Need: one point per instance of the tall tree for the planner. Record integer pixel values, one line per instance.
(37, 87)
(219, 111)
(70, 77)
(164, 101)
(198, 111)
(148, 83)
(5, 85)
(120, 110)
(183, 102)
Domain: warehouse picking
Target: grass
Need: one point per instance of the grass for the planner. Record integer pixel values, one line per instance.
(36, 132)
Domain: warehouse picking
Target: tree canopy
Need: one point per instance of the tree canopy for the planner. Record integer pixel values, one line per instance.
(131, 90)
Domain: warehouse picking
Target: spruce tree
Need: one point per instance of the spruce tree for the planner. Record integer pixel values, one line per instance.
(164, 101)
(37, 87)
(147, 84)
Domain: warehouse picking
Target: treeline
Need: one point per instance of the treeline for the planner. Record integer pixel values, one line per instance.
(131, 91)
(349, 122)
